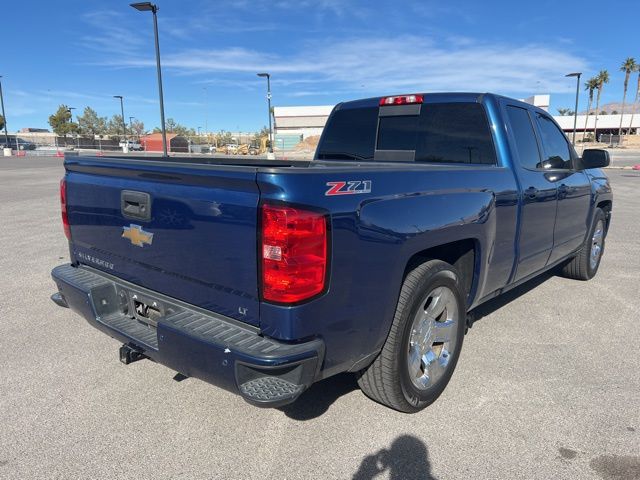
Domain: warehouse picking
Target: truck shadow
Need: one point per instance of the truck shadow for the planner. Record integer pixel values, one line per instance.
(505, 299)
(320, 396)
(406, 459)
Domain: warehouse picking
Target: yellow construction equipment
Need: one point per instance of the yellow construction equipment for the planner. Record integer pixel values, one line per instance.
(258, 147)
(242, 150)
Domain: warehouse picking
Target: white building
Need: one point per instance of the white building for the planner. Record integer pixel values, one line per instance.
(300, 121)
(606, 123)
(540, 101)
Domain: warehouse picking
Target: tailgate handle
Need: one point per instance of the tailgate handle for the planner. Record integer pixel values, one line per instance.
(135, 205)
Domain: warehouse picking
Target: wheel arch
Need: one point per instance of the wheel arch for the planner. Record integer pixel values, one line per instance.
(463, 254)
(606, 206)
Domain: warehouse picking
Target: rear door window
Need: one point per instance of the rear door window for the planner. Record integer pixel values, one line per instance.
(524, 137)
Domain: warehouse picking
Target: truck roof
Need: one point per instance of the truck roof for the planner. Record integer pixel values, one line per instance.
(435, 97)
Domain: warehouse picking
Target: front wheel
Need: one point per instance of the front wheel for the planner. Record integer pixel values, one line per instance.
(424, 343)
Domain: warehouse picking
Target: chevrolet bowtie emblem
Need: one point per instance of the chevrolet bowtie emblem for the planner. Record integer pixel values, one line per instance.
(136, 235)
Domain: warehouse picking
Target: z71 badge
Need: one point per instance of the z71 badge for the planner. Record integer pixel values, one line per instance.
(350, 187)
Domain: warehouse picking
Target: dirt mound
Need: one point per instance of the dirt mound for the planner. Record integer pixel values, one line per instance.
(309, 144)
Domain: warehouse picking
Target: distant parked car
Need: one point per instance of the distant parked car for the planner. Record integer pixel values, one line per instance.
(131, 144)
(17, 144)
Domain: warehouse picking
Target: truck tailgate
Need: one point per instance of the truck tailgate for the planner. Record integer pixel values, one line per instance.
(197, 243)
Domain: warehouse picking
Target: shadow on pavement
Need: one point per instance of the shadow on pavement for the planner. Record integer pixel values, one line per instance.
(406, 459)
(319, 397)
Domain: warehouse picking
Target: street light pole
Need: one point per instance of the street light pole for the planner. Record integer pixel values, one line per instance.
(206, 109)
(124, 125)
(6, 136)
(131, 123)
(575, 113)
(268, 77)
(145, 7)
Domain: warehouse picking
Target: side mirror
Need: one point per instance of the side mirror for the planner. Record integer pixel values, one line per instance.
(595, 158)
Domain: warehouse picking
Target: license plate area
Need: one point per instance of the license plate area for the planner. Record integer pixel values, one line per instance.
(143, 308)
(147, 313)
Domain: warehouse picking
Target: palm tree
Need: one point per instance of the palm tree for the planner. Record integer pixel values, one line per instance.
(628, 66)
(590, 85)
(602, 77)
(633, 110)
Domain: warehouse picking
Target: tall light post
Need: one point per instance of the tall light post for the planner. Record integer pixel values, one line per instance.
(124, 125)
(206, 109)
(131, 123)
(6, 136)
(150, 7)
(575, 113)
(268, 77)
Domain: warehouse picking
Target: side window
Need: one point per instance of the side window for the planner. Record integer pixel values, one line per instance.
(525, 138)
(554, 143)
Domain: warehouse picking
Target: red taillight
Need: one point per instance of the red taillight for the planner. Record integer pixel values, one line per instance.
(63, 208)
(294, 253)
(401, 100)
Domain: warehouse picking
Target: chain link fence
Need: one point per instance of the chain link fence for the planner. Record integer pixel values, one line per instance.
(46, 143)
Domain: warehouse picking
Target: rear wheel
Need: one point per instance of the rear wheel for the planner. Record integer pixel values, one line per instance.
(423, 346)
(585, 264)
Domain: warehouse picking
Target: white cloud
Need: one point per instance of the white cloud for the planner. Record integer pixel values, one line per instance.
(112, 32)
(385, 65)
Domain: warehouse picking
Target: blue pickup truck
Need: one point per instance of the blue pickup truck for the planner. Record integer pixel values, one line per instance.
(265, 276)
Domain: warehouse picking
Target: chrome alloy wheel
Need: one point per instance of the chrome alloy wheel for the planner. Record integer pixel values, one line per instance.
(433, 337)
(596, 244)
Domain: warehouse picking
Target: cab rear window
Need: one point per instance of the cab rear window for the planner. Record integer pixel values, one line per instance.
(441, 133)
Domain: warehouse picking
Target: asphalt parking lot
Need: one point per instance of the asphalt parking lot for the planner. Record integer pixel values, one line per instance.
(624, 158)
(548, 383)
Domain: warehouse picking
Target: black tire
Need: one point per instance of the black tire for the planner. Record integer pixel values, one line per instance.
(580, 267)
(387, 380)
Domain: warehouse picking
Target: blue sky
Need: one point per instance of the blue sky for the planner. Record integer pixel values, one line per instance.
(319, 53)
